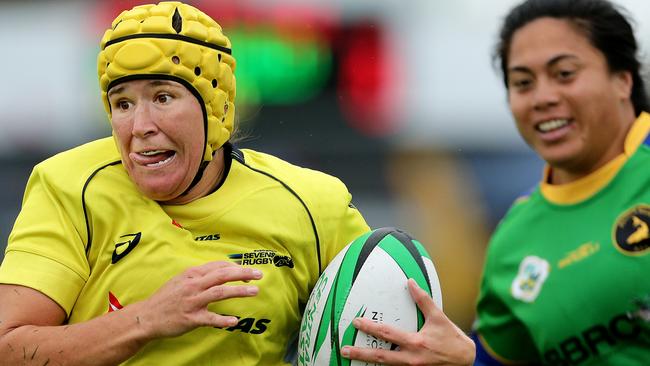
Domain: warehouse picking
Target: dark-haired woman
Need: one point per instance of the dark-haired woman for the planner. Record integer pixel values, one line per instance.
(565, 281)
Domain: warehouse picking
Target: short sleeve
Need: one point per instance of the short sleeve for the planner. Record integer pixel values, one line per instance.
(45, 249)
(348, 226)
(500, 332)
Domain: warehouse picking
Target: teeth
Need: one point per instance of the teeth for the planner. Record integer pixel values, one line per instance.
(160, 162)
(152, 152)
(552, 125)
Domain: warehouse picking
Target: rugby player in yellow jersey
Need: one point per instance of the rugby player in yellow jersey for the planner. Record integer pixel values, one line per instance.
(167, 245)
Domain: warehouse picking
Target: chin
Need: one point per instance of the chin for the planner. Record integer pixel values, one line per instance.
(559, 156)
(159, 188)
(158, 193)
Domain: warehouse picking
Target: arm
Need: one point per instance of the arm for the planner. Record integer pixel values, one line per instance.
(439, 342)
(32, 330)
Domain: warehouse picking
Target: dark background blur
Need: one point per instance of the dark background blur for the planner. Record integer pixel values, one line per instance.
(400, 102)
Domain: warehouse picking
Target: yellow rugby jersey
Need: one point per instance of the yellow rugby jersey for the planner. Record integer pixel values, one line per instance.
(89, 240)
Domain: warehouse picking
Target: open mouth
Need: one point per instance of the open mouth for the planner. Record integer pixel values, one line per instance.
(552, 125)
(153, 158)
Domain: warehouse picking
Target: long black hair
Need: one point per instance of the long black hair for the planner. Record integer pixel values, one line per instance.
(604, 24)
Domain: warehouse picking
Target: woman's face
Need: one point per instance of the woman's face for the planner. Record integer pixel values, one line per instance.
(567, 104)
(158, 125)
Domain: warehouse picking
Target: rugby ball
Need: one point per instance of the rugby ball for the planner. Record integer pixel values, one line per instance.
(368, 278)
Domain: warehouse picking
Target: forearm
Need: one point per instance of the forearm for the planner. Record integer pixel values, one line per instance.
(106, 340)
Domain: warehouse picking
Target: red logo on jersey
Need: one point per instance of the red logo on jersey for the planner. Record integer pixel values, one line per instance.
(113, 303)
(176, 224)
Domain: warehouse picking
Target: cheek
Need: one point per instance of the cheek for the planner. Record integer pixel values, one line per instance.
(122, 137)
(121, 130)
(517, 107)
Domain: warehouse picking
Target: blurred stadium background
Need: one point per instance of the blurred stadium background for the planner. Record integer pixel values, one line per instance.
(398, 99)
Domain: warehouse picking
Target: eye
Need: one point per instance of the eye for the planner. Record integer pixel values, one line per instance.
(521, 83)
(565, 75)
(163, 98)
(122, 105)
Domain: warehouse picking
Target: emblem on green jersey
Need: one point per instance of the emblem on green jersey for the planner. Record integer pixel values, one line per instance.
(533, 271)
(631, 233)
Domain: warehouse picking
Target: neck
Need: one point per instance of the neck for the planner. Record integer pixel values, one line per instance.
(212, 175)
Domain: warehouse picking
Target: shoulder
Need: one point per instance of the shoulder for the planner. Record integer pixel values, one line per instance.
(514, 224)
(71, 169)
(304, 181)
(521, 207)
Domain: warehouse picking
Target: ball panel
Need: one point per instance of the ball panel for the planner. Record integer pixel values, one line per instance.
(404, 253)
(421, 249)
(368, 244)
(315, 329)
(343, 282)
(379, 294)
(436, 290)
(412, 266)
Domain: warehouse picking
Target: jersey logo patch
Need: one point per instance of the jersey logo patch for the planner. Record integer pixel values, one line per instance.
(631, 234)
(113, 303)
(125, 247)
(261, 256)
(533, 271)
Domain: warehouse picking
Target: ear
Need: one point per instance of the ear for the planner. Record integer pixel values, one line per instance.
(623, 84)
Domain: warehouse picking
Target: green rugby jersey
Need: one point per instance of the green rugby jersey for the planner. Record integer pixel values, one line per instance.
(89, 240)
(566, 276)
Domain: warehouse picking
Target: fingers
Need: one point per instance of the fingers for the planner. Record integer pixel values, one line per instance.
(422, 299)
(383, 331)
(221, 321)
(203, 269)
(373, 355)
(218, 273)
(222, 292)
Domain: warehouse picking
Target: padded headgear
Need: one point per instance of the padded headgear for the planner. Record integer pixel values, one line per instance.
(174, 41)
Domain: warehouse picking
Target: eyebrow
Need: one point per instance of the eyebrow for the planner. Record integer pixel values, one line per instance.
(119, 89)
(116, 90)
(161, 82)
(552, 62)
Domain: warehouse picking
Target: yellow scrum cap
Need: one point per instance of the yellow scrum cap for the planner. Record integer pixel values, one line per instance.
(174, 41)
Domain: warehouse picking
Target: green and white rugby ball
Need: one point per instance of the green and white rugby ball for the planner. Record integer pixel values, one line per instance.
(368, 278)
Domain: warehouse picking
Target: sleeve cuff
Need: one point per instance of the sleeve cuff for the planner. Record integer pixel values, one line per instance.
(53, 279)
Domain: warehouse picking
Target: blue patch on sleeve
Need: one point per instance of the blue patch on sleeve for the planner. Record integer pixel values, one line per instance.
(483, 358)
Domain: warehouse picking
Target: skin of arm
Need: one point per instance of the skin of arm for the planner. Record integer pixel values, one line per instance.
(32, 330)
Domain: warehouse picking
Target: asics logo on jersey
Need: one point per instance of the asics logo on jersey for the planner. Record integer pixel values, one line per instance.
(262, 256)
(124, 247)
(250, 325)
(631, 232)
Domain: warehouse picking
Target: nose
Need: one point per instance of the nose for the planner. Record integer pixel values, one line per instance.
(144, 124)
(545, 95)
